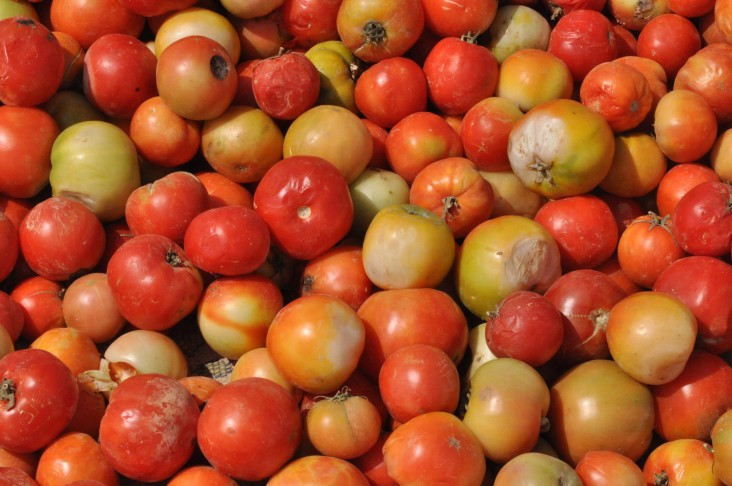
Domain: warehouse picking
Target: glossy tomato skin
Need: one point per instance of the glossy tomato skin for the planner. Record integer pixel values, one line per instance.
(153, 282)
(285, 86)
(41, 302)
(306, 204)
(33, 64)
(311, 21)
(249, 428)
(656, 39)
(609, 468)
(704, 72)
(681, 461)
(148, 430)
(74, 456)
(81, 19)
(449, 19)
(702, 220)
(35, 383)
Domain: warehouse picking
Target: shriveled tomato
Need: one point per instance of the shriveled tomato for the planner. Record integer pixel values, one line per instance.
(705, 72)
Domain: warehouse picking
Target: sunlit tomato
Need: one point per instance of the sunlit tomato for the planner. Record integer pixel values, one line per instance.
(526, 326)
(459, 74)
(561, 148)
(61, 238)
(286, 85)
(620, 419)
(517, 252)
(148, 431)
(74, 348)
(639, 340)
(557, 8)
(511, 196)
(249, 428)
(666, 30)
(515, 28)
(391, 89)
(685, 125)
(314, 470)
(484, 132)
(81, 19)
(33, 66)
(702, 219)
(677, 181)
(372, 191)
(316, 342)
(201, 474)
(148, 352)
(74, 456)
(453, 189)
(508, 402)
(38, 385)
(536, 468)
(703, 284)
(450, 19)
(338, 272)
(311, 21)
(681, 461)
(335, 63)
(306, 204)
(634, 16)
(195, 21)
(434, 445)
(419, 139)
(609, 468)
(654, 74)
(88, 306)
(378, 29)
(153, 282)
(719, 158)
(161, 136)
(40, 300)
(223, 191)
(705, 72)
(196, 77)
(390, 258)
(619, 93)
(397, 318)
(721, 442)
(638, 166)
(583, 39)
(28, 134)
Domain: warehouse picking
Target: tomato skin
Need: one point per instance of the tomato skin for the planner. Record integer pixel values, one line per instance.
(311, 21)
(484, 132)
(705, 72)
(80, 18)
(249, 428)
(148, 430)
(662, 32)
(721, 444)
(37, 384)
(285, 86)
(685, 125)
(702, 220)
(609, 468)
(41, 303)
(681, 461)
(677, 181)
(449, 19)
(74, 456)
(9, 246)
(315, 470)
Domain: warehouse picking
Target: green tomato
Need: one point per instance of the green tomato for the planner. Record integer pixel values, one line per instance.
(335, 63)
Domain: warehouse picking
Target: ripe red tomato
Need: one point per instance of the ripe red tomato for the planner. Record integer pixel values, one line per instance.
(706, 72)
(148, 431)
(484, 132)
(40, 300)
(311, 21)
(11, 316)
(677, 181)
(680, 461)
(306, 204)
(454, 19)
(74, 456)
(153, 282)
(459, 74)
(609, 468)
(286, 85)
(670, 39)
(35, 385)
(249, 428)
(9, 246)
(80, 18)
(702, 219)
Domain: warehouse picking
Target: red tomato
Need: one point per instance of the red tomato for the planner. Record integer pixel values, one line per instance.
(41, 302)
(436, 447)
(17, 477)
(9, 246)
(33, 62)
(372, 465)
(153, 282)
(669, 39)
(11, 316)
(484, 132)
(315, 470)
(681, 461)
(148, 431)
(688, 406)
(285, 86)
(222, 191)
(37, 385)
(583, 39)
(311, 21)
(707, 72)
(152, 8)
(306, 204)
(390, 90)
(525, 326)
(61, 238)
(249, 428)
(702, 219)
(378, 29)
(691, 8)
(80, 18)
(459, 74)
(25, 155)
(201, 474)
(609, 468)
(72, 457)
(677, 181)
(704, 284)
(452, 19)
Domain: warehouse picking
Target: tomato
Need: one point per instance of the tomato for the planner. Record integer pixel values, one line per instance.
(223, 191)
(557, 8)
(638, 336)
(702, 219)
(419, 139)
(459, 74)
(371, 192)
(484, 132)
(201, 474)
(306, 204)
(536, 468)
(397, 318)
(703, 284)
(606, 468)
(74, 348)
(314, 470)
(511, 196)
(336, 65)
(40, 300)
(61, 247)
(262, 37)
(515, 28)
(39, 397)
(391, 260)
(9, 246)
(391, 89)
(249, 429)
(449, 19)
(311, 21)
(677, 181)
(437, 446)
(74, 456)
(704, 73)
(343, 426)
(517, 252)
(11, 316)
(80, 19)
(526, 326)
(681, 461)
(636, 16)
(198, 21)
(561, 148)
(33, 66)
(148, 431)
(654, 74)
(583, 39)
(666, 30)
(275, 89)
(721, 446)
(17, 476)
(685, 125)
(620, 416)
(253, 9)
(257, 362)
(153, 282)
(148, 352)
(378, 29)
(693, 8)
(152, 8)
(638, 166)
(506, 417)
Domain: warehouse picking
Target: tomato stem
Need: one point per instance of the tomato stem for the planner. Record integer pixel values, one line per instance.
(374, 32)
(660, 478)
(543, 171)
(173, 258)
(450, 208)
(7, 393)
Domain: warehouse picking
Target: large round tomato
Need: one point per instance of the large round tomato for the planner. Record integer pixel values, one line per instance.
(39, 396)
(681, 461)
(706, 72)
(702, 219)
(315, 470)
(74, 456)
(454, 19)
(148, 430)
(80, 18)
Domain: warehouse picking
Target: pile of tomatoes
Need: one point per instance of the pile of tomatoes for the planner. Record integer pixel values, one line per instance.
(362, 242)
